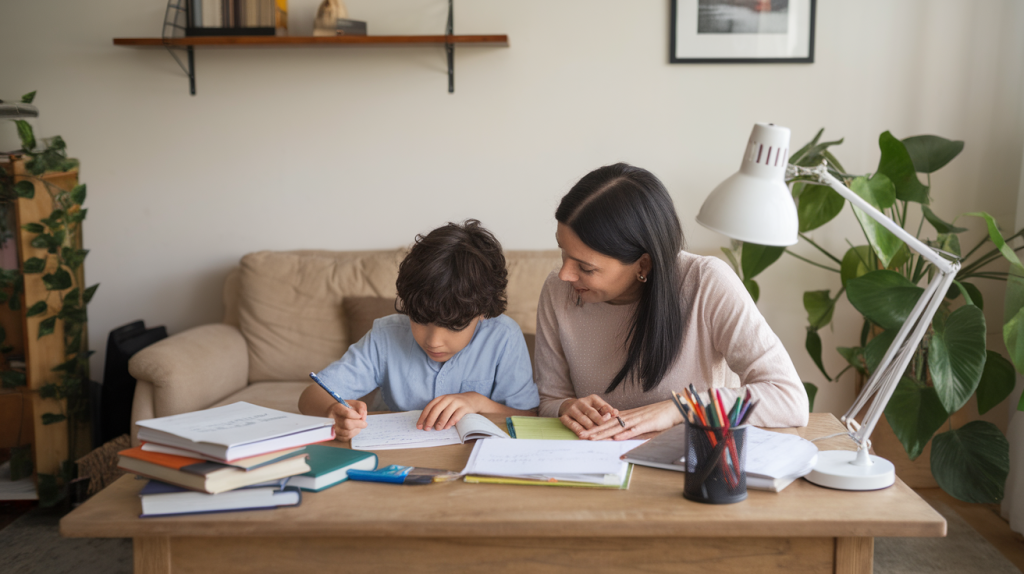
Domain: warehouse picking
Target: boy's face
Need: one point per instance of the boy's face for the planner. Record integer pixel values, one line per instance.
(441, 344)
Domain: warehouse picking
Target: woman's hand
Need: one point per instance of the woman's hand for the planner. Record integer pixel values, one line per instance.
(581, 415)
(443, 412)
(348, 422)
(649, 418)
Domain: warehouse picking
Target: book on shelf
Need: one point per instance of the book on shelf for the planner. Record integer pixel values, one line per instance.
(162, 499)
(236, 17)
(330, 465)
(202, 475)
(238, 430)
(348, 27)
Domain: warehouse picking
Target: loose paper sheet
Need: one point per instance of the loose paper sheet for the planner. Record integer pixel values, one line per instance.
(235, 424)
(548, 457)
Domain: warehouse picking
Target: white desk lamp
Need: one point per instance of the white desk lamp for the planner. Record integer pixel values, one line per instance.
(755, 205)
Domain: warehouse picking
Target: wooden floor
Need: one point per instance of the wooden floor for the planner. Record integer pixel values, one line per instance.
(984, 518)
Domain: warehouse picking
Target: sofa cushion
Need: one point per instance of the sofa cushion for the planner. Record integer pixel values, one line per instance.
(361, 312)
(527, 271)
(290, 308)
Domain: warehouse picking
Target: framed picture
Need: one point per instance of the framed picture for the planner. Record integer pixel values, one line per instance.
(742, 31)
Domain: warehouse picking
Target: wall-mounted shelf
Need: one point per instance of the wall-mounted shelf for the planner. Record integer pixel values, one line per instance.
(497, 40)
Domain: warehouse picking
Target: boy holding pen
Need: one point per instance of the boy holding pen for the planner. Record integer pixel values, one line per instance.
(450, 351)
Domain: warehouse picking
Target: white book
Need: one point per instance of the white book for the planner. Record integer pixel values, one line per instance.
(398, 430)
(211, 14)
(596, 462)
(773, 460)
(238, 430)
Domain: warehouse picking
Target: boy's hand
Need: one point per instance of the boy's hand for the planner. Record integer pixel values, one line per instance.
(348, 422)
(443, 412)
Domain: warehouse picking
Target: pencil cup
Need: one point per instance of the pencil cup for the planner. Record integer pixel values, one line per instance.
(714, 464)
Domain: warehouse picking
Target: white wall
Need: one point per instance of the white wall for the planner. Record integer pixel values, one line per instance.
(348, 148)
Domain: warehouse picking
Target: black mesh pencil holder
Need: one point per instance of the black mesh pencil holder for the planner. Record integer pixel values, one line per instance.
(714, 464)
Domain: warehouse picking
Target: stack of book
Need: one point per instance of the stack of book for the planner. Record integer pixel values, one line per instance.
(235, 457)
(236, 17)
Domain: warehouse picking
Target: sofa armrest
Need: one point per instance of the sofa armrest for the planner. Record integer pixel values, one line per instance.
(189, 371)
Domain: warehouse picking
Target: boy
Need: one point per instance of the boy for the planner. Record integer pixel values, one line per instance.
(450, 352)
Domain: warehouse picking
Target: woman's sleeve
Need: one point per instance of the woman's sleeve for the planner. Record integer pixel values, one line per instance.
(550, 370)
(752, 350)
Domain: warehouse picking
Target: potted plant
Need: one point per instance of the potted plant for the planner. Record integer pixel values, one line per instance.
(881, 278)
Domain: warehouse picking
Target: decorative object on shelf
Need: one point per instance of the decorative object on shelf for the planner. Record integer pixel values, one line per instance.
(327, 17)
(230, 17)
(44, 315)
(742, 31)
(174, 27)
(921, 371)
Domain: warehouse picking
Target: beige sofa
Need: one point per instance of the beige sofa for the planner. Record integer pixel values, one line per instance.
(284, 316)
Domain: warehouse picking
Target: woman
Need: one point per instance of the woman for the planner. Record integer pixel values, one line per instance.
(630, 317)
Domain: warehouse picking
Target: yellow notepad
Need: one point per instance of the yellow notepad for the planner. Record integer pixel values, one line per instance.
(541, 428)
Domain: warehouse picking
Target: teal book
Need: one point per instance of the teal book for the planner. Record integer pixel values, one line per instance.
(330, 465)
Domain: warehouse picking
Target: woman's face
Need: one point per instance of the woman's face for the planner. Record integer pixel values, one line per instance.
(595, 277)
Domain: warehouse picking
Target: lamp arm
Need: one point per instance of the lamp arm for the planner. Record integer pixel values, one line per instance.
(821, 173)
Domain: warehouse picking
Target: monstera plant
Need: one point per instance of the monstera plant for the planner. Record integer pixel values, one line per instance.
(883, 280)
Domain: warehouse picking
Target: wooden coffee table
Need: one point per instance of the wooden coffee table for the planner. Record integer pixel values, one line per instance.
(459, 527)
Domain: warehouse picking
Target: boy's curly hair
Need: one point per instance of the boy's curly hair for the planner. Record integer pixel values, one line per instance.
(452, 275)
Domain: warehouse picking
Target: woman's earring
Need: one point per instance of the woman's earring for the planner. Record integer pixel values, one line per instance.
(641, 278)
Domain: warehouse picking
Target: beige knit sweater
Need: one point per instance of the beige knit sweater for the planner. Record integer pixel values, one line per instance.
(727, 344)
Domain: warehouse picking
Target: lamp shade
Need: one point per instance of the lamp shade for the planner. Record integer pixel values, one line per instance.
(754, 204)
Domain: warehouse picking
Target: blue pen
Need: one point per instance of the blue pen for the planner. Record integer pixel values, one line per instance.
(336, 396)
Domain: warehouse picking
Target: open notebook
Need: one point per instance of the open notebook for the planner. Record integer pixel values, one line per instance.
(398, 430)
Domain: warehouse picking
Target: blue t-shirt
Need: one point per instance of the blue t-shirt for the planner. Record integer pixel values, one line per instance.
(495, 364)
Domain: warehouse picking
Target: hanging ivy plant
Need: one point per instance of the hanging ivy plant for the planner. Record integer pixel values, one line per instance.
(59, 234)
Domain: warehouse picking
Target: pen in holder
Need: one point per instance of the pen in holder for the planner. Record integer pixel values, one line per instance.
(714, 464)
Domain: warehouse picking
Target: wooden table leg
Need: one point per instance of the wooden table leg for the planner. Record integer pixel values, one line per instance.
(855, 555)
(152, 555)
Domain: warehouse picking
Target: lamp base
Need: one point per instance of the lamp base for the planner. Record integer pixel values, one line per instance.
(835, 469)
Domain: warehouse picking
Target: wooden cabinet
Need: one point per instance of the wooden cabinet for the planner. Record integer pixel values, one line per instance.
(22, 408)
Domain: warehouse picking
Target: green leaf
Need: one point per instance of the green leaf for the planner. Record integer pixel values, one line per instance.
(87, 296)
(915, 412)
(27, 98)
(1013, 316)
(885, 297)
(756, 258)
(46, 326)
(813, 346)
(78, 194)
(997, 238)
(25, 189)
(33, 228)
(796, 156)
(49, 391)
(949, 242)
(818, 205)
(753, 288)
(855, 357)
(35, 265)
(812, 391)
(972, 462)
(38, 309)
(956, 356)
(931, 153)
(855, 263)
(78, 216)
(875, 350)
(58, 280)
(28, 138)
(73, 258)
(997, 382)
(939, 225)
(12, 379)
(732, 259)
(897, 165)
(972, 295)
(880, 193)
(819, 308)
(51, 418)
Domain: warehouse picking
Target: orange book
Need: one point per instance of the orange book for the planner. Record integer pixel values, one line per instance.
(205, 476)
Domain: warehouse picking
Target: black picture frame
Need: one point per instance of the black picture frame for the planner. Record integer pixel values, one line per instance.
(674, 38)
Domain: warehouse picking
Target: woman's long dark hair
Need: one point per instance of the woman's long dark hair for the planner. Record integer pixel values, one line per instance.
(623, 212)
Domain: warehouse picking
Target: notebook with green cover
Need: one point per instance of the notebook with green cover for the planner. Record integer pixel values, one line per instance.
(329, 466)
(542, 428)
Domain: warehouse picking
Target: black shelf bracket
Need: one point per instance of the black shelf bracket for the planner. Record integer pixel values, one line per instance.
(449, 47)
(175, 19)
